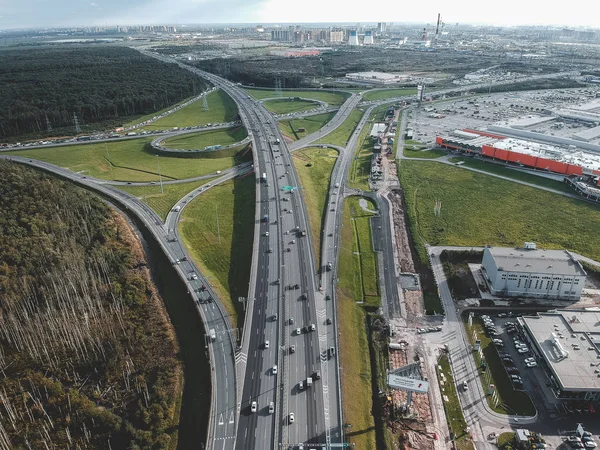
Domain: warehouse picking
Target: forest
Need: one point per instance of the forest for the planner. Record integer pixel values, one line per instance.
(42, 88)
(88, 356)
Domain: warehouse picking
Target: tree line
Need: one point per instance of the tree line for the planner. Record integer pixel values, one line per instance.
(43, 88)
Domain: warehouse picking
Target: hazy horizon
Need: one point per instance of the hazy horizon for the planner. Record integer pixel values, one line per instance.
(28, 14)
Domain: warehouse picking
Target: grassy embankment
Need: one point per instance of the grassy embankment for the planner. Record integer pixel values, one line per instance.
(285, 105)
(223, 250)
(341, 134)
(389, 93)
(162, 202)
(478, 209)
(454, 414)
(130, 160)
(314, 166)
(141, 119)
(332, 98)
(198, 141)
(499, 169)
(510, 401)
(357, 273)
(289, 128)
(221, 108)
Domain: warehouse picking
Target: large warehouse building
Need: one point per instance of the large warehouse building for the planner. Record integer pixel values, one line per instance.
(567, 347)
(530, 272)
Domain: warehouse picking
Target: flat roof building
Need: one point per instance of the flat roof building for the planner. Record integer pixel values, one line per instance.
(531, 272)
(567, 346)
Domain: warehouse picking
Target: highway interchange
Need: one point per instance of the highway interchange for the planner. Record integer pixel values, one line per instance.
(287, 291)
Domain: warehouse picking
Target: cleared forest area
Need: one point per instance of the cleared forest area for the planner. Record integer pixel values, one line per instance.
(88, 356)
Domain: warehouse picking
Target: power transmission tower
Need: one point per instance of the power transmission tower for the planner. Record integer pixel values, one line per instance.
(76, 122)
(48, 126)
(278, 92)
(204, 103)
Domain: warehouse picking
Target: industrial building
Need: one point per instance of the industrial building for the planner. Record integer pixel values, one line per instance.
(532, 272)
(379, 78)
(566, 161)
(566, 344)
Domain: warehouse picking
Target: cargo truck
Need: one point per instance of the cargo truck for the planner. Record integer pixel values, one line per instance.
(309, 382)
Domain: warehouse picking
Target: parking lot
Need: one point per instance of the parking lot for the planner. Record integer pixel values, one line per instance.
(558, 421)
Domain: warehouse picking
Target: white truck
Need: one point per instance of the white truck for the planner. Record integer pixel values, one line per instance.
(308, 382)
(264, 177)
(212, 334)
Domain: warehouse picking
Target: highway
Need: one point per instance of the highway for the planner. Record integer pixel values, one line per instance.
(222, 420)
(284, 260)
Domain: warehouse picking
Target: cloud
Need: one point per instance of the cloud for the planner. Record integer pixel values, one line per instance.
(93, 4)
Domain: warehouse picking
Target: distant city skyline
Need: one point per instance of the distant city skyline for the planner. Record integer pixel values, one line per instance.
(66, 13)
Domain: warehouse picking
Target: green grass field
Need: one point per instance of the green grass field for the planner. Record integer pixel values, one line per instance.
(290, 128)
(341, 134)
(162, 202)
(221, 108)
(332, 98)
(454, 414)
(130, 160)
(364, 277)
(150, 116)
(354, 346)
(389, 93)
(224, 252)
(429, 154)
(512, 173)
(479, 209)
(284, 106)
(511, 401)
(200, 140)
(314, 166)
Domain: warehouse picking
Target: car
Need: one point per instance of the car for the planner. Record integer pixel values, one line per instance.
(291, 417)
(522, 350)
(312, 327)
(253, 407)
(194, 277)
(515, 377)
(271, 408)
(266, 344)
(509, 324)
(301, 385)
(266, 233)
(465, 386)
(304, 296)
(270, 250)
(298, 331)
(291, 321)
(317, 375)
(513, 370)
(573, 439)
(331, 352)
(328, 297)
(328, 321)
(502, 315)
(306, 329)
(274, 317)
(274, 370)
(590, 444)
(292, 349)
(529, 359)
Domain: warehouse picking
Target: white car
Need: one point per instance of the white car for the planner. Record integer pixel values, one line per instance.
(298, 331)
(274, 370)
(194, 276)
(522, 350)
(532, 359)
(291, 417)
(253, 407)
(531, 364)
(301, 385)
(271, 408)
(266, 344)
(266, 233)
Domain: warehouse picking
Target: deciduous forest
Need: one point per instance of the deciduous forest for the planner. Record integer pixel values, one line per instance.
(88, 358)
(49, 85)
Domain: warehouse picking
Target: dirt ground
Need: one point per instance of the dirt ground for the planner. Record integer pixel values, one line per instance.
(402, 241)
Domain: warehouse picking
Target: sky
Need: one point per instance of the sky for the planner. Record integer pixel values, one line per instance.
(54, 13)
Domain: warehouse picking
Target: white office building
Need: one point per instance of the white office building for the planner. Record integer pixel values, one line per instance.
(530, 272)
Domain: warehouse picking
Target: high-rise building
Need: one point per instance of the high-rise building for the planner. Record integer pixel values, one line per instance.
(381, 27)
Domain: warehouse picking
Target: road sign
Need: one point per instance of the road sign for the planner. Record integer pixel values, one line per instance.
(407, 384)
(289, 188)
